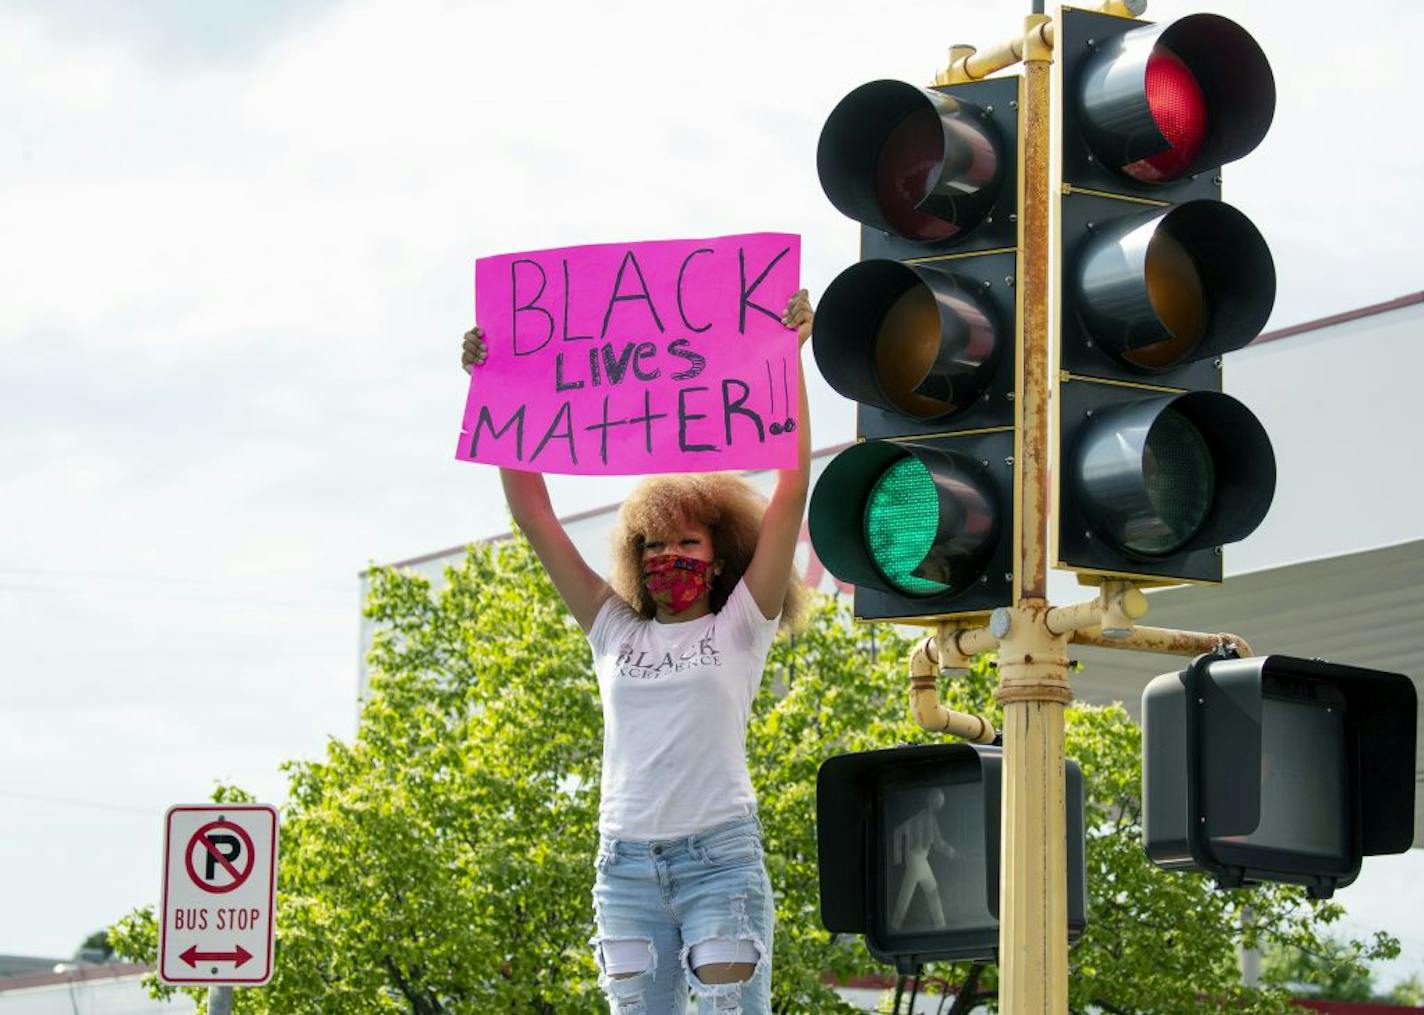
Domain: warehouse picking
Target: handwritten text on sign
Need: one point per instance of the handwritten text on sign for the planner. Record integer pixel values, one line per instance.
(664, 356)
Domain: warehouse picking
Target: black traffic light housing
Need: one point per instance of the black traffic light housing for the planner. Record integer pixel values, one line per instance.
(965, 563)
(875, 810)
(922, 335)
(1112, 519)
(965, 168)
(1158, 279)
(1274, 768)
(1108, 88)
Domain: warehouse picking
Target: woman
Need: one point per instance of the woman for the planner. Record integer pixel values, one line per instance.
(702, 576)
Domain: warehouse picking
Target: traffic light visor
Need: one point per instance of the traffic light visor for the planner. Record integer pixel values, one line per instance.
(1277, 768)
(1163, 288)
(1172, 473)
(903, 518)
(911, 339)
(1164, 101)
(918, 163)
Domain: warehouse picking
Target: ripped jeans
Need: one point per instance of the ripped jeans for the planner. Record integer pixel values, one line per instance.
(673, 896)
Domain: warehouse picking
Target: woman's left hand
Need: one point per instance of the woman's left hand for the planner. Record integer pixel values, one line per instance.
(799, 315)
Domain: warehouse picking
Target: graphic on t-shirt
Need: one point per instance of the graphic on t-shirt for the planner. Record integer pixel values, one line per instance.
(649, 664)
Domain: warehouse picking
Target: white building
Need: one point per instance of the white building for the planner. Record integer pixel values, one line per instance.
(1336, 571)
(99, 989)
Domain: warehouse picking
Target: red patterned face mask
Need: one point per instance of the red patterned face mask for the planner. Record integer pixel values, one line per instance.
(675, 582)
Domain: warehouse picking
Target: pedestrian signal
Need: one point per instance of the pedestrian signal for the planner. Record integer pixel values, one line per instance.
(1274, 768)
(908, 843)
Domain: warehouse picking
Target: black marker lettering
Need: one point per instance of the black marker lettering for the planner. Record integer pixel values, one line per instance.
(643, 295)
(486, 422)
(593, 367)
(532, 305)
(566, 414)
(729, 407)
(644, 350)
(559, 384)
(603, 427)
(697, 361)
(684, 417)
(680, 271)
(647, 420)
(616, 368)
(746, 300)
(567, 336)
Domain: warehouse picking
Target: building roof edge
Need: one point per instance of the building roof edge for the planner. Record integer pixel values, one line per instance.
(1398, 303)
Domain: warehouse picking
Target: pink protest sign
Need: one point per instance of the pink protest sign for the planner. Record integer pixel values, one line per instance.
(663, 356)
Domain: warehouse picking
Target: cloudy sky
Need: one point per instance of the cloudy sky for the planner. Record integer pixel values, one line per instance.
(236, 248)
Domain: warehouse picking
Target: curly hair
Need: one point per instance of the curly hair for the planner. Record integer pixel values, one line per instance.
(725, 504)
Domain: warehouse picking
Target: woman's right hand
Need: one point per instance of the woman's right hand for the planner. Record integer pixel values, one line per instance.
(473, 349)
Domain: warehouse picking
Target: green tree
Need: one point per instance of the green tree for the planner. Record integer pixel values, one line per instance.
(95, 947)
(1408, 992)
(1331, 969)
(441, 861)
(1328, 971)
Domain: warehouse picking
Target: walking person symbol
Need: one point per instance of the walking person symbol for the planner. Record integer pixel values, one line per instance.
(913, 839)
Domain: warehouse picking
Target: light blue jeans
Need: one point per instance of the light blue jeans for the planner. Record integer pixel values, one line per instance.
(676, 894)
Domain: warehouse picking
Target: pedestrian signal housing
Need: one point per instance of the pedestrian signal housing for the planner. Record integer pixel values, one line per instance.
(908, 845)
(1275, 768)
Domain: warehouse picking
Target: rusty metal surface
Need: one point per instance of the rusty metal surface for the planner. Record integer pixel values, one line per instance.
(1033, 660)
(970, 642)
(1033, 674)
(968, 64)
(1118, 604)
(1164, 640)
(1033, 397)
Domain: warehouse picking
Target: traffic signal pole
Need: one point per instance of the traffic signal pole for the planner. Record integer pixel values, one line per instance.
(1032, 637)
(1033, 661)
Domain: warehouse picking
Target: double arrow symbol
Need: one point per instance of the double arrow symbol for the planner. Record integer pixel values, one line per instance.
(237, 957)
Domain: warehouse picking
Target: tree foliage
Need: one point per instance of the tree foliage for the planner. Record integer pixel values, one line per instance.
(441, 861)
(1332, 970)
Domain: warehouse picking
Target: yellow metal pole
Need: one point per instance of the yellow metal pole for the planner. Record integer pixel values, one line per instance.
(1033, 661)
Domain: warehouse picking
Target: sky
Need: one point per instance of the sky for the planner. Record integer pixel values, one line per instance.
(236, 257)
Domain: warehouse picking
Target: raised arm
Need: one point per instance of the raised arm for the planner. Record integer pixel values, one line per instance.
(582, 589)
(770, 569)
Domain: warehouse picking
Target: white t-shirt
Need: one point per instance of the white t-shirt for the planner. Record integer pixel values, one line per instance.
(676, 699)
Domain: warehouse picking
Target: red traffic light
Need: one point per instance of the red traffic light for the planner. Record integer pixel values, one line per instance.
(1162, 102)
(1178, 109)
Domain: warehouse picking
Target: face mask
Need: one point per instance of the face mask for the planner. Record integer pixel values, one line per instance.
(675, 582)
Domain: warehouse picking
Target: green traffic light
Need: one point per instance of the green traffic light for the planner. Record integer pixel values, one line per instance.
(901, 523)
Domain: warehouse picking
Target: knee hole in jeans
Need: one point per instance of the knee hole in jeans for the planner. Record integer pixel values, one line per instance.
(724, 960)
(625, 958)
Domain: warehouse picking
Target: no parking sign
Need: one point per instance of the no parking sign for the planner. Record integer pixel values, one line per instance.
(219, 893)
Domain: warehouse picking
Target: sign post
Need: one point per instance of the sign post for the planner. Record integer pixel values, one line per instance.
(219, 893)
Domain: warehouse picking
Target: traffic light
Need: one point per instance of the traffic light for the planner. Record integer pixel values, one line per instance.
(908, 845)
(922, 335)
(1158, 278)
(1277, 769)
